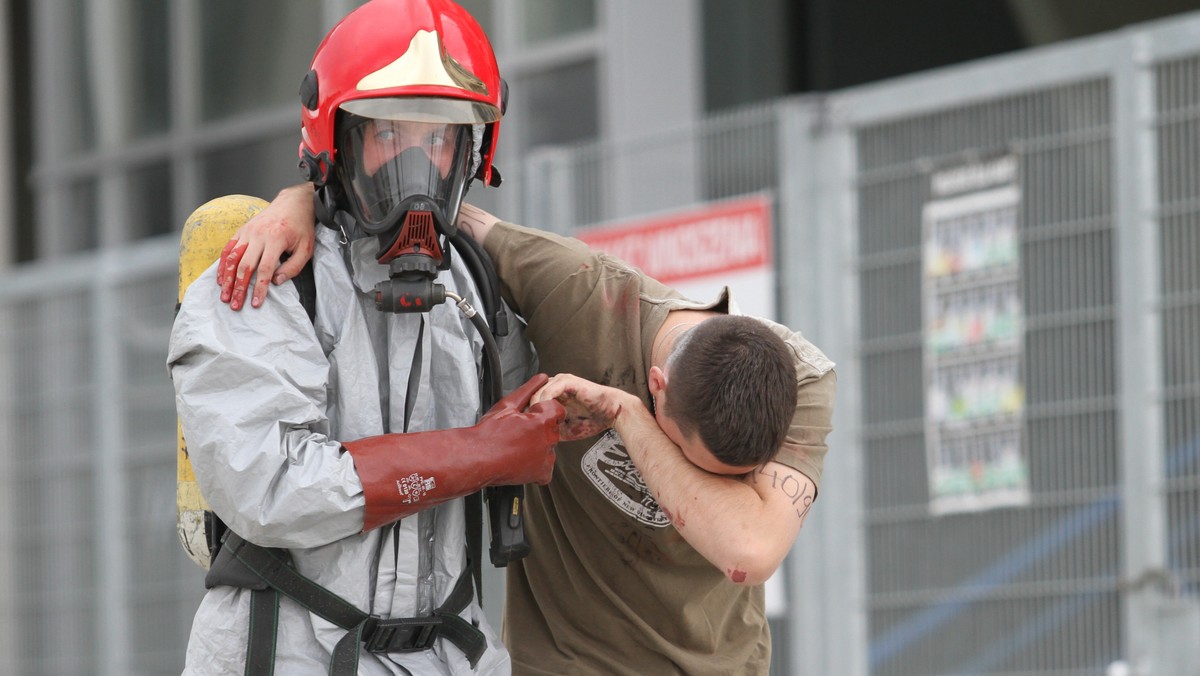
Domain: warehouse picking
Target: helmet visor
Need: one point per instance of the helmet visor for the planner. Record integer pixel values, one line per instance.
(386, 163)
(423, 109)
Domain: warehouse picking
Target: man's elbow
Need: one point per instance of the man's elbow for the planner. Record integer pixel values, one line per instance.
(753, 567)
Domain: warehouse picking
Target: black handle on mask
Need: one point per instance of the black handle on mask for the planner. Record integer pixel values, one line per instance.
(410, 286)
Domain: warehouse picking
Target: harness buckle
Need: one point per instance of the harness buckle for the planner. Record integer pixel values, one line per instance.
(401, 635)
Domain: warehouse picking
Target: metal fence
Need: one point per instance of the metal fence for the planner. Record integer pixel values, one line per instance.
(96, 582)
(1101, 563)
(1099, 566)
(1004, 590)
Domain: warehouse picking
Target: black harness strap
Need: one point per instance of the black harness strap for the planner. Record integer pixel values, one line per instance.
(410, 634)
(473, 511)
(264, 623)
(405, 634)
(306, 286)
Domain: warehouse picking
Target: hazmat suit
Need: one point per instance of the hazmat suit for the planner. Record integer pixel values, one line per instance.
(263, 401)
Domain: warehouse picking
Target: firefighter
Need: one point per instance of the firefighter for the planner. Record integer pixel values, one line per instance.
(337, 449)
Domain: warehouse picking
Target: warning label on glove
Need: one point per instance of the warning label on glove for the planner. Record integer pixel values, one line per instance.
(414, 487)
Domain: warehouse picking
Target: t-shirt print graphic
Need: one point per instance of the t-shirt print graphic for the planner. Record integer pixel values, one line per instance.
(608, 467)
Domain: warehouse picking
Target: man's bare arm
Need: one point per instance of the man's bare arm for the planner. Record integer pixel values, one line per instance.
(743, 525)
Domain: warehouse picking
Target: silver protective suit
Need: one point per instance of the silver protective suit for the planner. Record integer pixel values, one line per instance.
(264, 399)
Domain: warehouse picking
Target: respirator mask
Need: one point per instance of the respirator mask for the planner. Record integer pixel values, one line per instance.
(403, 181)
(403, 173)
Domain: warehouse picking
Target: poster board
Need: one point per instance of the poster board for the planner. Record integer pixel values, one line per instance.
(973, 327)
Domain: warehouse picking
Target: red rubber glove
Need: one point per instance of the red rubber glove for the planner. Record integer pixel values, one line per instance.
(403, 474)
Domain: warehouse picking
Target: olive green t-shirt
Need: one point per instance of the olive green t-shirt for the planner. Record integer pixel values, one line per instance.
(610, 587)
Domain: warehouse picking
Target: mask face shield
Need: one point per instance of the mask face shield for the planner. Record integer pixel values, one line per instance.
(385, 165)
(397, 154)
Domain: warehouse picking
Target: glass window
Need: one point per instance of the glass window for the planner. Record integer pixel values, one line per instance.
(255, 53)
(748, 54)
(150, 201)
(560, 105)
(74, 123)
(543, 20)
(82, 80)
(482, 11)
(150, 61)
(83, 233)
(260, 169)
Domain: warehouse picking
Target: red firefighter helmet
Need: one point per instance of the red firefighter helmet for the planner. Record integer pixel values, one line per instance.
(396, 59)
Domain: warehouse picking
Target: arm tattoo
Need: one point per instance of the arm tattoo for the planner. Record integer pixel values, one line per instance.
(470, 223)
(800, 493)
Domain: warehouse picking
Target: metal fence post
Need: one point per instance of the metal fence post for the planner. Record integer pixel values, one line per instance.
(1143, 541)
(110, 472)
(817, 292)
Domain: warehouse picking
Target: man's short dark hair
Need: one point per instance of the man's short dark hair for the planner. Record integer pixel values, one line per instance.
(732, 381)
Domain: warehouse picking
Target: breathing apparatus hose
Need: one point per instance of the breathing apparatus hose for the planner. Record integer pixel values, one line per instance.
(484, 274)
(491, 351)
(505, 503)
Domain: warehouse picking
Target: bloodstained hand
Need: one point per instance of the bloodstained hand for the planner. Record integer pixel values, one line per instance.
(591, 408)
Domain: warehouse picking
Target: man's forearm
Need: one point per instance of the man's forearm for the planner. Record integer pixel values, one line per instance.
(722, 517)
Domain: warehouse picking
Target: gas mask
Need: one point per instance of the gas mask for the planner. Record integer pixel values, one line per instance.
(403, 181)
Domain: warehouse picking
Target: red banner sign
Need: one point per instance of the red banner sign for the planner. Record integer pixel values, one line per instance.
(716, 239)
